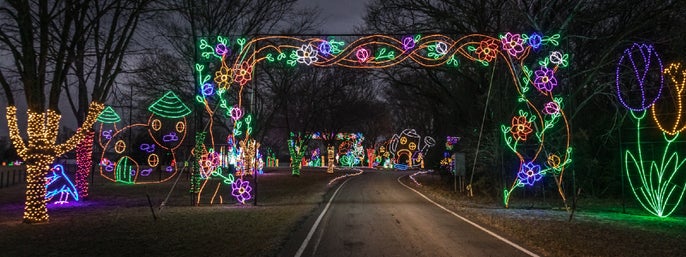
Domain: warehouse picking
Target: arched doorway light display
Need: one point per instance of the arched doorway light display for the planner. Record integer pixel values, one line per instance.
(532, 61)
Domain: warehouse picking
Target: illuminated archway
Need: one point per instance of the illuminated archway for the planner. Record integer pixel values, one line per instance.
(540, 112)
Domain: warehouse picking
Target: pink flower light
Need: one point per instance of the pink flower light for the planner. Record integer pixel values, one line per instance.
(551, 108)
(362, 55)
(513, 44)
(236, 113)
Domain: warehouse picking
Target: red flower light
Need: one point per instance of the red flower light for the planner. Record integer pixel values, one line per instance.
(243, 73)
(487, 50)
(521, 128)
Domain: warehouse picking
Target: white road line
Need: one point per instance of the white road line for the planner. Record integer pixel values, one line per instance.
(472, 223)
(316, 223)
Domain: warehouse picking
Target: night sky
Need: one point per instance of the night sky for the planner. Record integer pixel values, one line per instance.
(340, 17)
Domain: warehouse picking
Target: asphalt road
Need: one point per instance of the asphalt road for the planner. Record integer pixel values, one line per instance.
(374, 215)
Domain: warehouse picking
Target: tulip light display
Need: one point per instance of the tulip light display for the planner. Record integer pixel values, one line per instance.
(655, 180)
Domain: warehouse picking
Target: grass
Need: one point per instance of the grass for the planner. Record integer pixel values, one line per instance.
(595, 230)
(116, 220)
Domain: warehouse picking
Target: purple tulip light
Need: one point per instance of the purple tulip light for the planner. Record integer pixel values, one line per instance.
(222, 50)
(647, 81)
(408, 43)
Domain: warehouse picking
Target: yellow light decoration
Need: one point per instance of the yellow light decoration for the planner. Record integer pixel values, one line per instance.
(330, 157)
(249, 148)
(153, 160)
(554, 161)
(156, 124)
(180, 126)
(412, 146)
(41, 151)
(120, 146)
(678, 78)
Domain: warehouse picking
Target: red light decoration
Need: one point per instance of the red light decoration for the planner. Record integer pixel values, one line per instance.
(84, 162)
(521, 128)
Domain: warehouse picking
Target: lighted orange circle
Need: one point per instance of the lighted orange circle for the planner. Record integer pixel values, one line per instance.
(180, 126)
(553, 161)
(120, 146)
(153, 160)
(156, 124)
(412, 146)
(403, 140)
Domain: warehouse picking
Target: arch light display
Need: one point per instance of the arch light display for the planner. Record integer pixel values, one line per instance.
(536, 81)
(655, 183)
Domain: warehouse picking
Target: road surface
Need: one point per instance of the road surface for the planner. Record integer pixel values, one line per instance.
(374, 215)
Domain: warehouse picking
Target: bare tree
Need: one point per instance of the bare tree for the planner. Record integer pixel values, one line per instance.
(43, 38)
(100, 57)
(187, 22)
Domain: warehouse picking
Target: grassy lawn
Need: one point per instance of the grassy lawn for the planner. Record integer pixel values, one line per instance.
(116, 220)
(598, 227)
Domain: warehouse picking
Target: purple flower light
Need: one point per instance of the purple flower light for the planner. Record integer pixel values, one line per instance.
(171, 137)
(241, 190)
(545, 80)
(324, 48)
(529, 173)
(408, 43)
(236, 113)
(221, 49)
(647, 81)
(207, 89)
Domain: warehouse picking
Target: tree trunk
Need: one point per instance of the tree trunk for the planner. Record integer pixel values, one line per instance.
(84, 164)
(295, 166)
(41, 151)
(35, 206)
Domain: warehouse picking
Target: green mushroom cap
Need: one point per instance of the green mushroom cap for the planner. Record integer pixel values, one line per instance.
(169, 106)
(108, 115)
